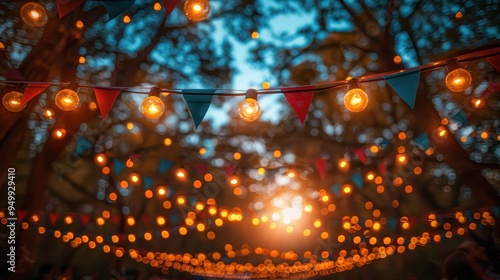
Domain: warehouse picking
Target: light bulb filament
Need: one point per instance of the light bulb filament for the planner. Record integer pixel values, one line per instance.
(197, 8)
(34, 14)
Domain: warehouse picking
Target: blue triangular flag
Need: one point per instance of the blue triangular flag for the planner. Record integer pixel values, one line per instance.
(83, 146)
(119, 166)
(358, 179)
(422, 141)
(496, 211)
(116, 8)
(460, 117)
(192, 200)
(174, 218)
(148, 182)
(405, 84)
(164, 165)
(336, 189)
(198, 102)
(391, 222)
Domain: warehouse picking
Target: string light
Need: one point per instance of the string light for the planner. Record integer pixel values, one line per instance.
(67, 99)
(100, 159)
(478, 102)
(249, 110)
(12, 101)
(196, 10)
(59, 133)
(458, 79)
(181, 173)
(34, 14)
(234, 180)
(355, 99)
(152, 107)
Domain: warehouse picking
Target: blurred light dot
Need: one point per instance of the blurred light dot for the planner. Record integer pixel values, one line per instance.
(126, 19)
(255, 35)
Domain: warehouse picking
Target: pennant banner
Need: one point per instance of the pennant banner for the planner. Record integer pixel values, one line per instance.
(357, 178)
(85, 219)
(119, 166)
(116, 8)
(230, 169)
(198, 102)
(336, 189)
(148, 182)
(460, 117)
(53, 218)
(360, 153)
(170, 5)
(299, 101)
(422, 141)
(64, 7)
(405, 84)
(201, 168)
(494, 61)
(320, 165)
(32, 90)
(105, 98)
(164, 165)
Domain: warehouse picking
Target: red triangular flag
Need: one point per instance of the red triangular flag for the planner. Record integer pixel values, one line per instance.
(145, 219)
(300, 99)
(230, 169)
(360, 153)
(382, 167)
(21, 215)
(320, 165)
(53, 218)
(493, 87)
(495, 61)
(33, 90)
(66, 6)
(201, 168)
(170, 5)
(116, 219)
(105, 98)
(85, 219)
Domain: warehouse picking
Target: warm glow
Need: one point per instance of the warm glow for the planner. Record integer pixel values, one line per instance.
(100, 159)
(126, 19)
(343, 164)
(12, 101)
(234, 180)
(441, 132)
(181, 173)
(478, 102)
(79, 25)
(237, 156)
(255, 35)
(346, 189)
(355, 100)
(459, 14)
(167, 141)
(59, 133)
(152, 107)
(181, 200)
(67, 100)
(196, 10)
(249, 110)
(130, 221)
(157, 6)
(160, 220)
(397, 59)
(82, 59)
(401, 158)
(34, 14)
(161, 191)
(458, 80)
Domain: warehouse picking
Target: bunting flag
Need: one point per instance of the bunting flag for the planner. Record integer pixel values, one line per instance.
(64, 7)
(53, 218)
(116, 8)
(460, 117)
(174, 218)
(201, 168)
(336, 189)
(357, 178)
(391, 222)
(85, 219)
(382, 167)
(493, 87)
(170, 5)
(119, 166)
(320, 166)
(192, 200)
(405, 84)
(105, 98)
(164, 165)
(21, 215)
(147, 182)
(360, 153)
(32, 90)
(230, 169)
(83, 146)
(116, 219)
(494, 61)
(198, 102)
(422, 141)
(145, 219)
(299, 101)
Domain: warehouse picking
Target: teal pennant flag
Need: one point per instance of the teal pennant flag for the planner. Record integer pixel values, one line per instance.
(198, 102)
(422, 141)
(148, 182)
(357, 178)
(164, 165)
(405, 84)
(117, 7)
(119, 166)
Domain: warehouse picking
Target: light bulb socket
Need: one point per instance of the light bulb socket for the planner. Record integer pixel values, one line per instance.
(251, 93)
(452, 64)
(19, 88)
(155, 91)
(72, 86)
(352, 84)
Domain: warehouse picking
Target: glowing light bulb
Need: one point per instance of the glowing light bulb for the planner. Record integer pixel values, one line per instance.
(356, 100)
(196, 10)
(59, 133)
(48, 114)
(478, 102)
(152, 107)
(100, 159)
(181, 173)
(34, 14)
(12, 101)
(343, 164)
(234, 180)
(249, 110)
(458, 79)
(67, 100)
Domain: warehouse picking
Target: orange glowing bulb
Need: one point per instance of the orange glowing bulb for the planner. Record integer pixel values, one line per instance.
(12, 101)
(355, 100)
